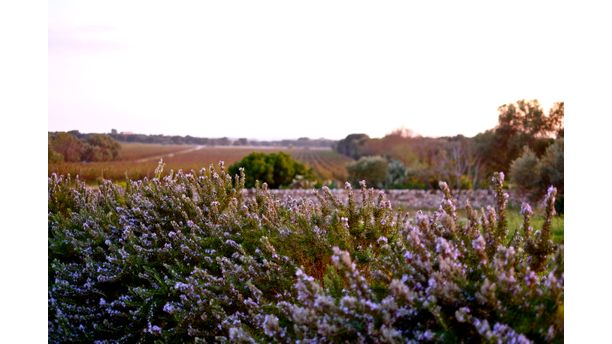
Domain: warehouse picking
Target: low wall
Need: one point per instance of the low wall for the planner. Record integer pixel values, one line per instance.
(416, 199)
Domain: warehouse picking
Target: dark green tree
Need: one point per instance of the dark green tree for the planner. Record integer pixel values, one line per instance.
(276, 169)
(352, 145)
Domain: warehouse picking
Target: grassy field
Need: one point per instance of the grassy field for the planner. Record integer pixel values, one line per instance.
(138, 160)
(515, 221)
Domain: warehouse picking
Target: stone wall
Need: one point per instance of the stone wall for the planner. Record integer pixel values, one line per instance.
(415, 199)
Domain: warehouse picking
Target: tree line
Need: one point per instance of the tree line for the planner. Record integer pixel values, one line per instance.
(527, 143)
(73, 146)
(222, 141)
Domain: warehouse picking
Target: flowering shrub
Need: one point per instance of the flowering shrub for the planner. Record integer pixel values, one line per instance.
(188, 258)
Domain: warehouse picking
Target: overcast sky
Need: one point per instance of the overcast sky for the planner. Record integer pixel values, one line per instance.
(287, 69)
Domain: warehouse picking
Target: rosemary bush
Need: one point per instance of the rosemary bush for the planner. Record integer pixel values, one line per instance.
(187, 258)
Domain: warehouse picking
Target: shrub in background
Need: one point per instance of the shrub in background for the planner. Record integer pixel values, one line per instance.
(418, 177)
(186, 258)
(551, 165)
(372, 169)
(465, 183)
(532, 176)
(525, 174)
(275, 169)
(396, 175)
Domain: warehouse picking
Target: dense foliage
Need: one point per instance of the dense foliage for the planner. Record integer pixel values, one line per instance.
(73, 147)
(530, 174)
(275, 169)
(387, 173)
(397, 175)
(187, 258)
(520, 124)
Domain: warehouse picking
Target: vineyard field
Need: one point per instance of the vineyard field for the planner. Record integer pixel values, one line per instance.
(138, 160)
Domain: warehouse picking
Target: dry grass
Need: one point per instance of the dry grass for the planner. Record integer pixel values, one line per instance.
(136, 151)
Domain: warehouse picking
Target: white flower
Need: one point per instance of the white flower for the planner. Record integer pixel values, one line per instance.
(461, 313)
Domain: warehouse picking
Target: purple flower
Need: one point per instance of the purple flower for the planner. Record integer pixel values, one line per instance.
(432, 283)
(270, 325)
(526, 209)
(169, 308)
(550, 191)
(481, 326)
(427, 335)
(478, 243)
(531, 278)
(181, 286)
(153, 329)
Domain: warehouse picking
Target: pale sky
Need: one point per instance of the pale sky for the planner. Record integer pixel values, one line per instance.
(287, 69)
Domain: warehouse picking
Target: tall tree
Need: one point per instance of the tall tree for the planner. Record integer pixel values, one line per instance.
(520, 124)
(352, 145)
(459, 162)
